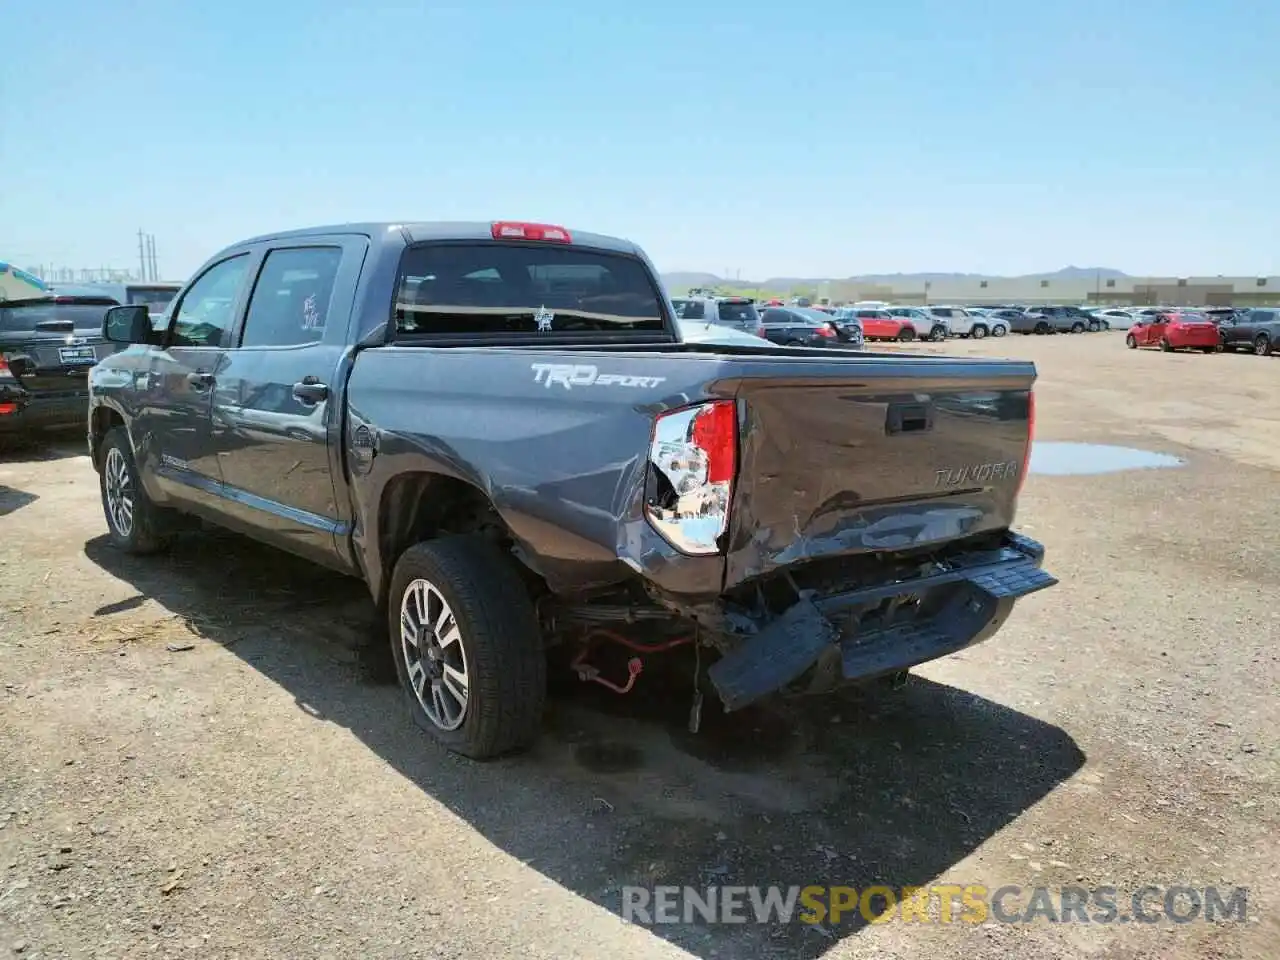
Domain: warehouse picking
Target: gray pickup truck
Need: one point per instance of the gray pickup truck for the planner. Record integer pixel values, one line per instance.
(498, 427)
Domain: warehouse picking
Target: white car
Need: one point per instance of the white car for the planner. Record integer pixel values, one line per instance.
(927, 327)
(961, 323)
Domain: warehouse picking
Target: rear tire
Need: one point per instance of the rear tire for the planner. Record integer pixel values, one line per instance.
(467, 647)
(999, 330)
(906, 334)
(1131, 342)
(1077, 327)
(1262, 345)
(134, 523)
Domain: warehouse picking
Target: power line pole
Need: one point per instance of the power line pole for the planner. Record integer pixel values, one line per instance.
(151, 250)
(142, 253)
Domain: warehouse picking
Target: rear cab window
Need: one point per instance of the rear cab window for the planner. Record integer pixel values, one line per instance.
(526, 292)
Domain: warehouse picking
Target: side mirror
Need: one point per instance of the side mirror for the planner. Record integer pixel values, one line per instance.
(127, 324)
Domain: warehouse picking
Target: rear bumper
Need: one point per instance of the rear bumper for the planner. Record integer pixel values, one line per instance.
(36, 412)
(873, 631)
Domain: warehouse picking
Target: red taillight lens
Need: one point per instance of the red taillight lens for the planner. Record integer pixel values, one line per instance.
(1031, 436)
(693, 458)
(827, 331)
(762, 333)
(5, 372)
(513, 230)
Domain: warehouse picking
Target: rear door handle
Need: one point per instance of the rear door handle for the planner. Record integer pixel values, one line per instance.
(200, 380)
(310, 390)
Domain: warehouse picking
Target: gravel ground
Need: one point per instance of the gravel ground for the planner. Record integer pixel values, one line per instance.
(195, 761)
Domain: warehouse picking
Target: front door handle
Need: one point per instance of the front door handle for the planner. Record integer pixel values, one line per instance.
(200, 380)
(310, 390)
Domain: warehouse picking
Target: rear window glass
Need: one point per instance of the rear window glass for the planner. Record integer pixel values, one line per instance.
(738, 312)
(470, 289)
(691, 309)
(22, 318)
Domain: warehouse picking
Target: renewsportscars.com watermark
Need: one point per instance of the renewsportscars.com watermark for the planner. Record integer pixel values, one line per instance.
(937, 903)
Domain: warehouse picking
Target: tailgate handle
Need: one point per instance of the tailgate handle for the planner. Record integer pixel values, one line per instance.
(908, 418)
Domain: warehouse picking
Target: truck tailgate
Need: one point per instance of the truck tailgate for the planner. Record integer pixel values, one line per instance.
(875, 456)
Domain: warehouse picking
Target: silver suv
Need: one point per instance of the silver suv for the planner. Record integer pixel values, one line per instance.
(739, 313)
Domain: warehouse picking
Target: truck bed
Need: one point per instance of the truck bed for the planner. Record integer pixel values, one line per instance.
(840, 455)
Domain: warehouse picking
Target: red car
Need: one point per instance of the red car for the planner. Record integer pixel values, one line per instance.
(1175, 330)
(883, 325)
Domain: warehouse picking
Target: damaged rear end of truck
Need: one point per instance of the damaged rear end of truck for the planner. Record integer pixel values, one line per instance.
(863, 512)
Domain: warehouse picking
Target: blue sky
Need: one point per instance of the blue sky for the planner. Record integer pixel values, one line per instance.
(810, 138)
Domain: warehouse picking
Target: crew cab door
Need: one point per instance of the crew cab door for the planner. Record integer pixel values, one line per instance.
(277, 407)
(171, 428)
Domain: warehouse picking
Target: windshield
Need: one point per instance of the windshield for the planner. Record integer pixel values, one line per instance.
(477, 289)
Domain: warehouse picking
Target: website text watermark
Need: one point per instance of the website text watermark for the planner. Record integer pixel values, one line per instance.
(936, 903)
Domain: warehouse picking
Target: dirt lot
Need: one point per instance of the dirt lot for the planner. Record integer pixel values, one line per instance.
(195, 763)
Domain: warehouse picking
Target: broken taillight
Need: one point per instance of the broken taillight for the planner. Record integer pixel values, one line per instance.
(693, 459)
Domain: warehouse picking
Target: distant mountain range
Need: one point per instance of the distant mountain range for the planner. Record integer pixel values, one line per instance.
(682, 280)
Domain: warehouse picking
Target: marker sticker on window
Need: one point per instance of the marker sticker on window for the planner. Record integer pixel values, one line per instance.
(543, 318)
(310, 315)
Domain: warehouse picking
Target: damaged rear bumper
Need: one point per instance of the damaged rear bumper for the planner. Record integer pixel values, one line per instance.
(885, 629)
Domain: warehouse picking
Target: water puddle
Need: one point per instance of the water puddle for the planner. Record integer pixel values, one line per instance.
(1061, 459)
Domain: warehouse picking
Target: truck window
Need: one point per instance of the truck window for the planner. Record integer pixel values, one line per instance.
(738, 311)
(693, 310)
(477, 289)
(207, 311)
(290, 301)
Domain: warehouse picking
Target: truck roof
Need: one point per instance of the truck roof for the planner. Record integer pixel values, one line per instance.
(438, 230)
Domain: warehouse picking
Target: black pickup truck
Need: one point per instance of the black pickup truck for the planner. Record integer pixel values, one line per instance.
(498, 427)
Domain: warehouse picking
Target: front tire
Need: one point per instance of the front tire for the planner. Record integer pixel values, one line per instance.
(1041, 329)
(1131, 342)
(467, 647)
(906, 334)
(999, 330)
(1262, 345)
(133, 521)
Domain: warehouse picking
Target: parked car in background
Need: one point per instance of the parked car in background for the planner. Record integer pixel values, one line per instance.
(737, 312)
(927, 326)
(1067, 319)
(878, 323)
(1113, 318)
(47, 345)
(806, 327)
(961, 323)
(1257, 330)
(1174, 330)
(156, 294)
